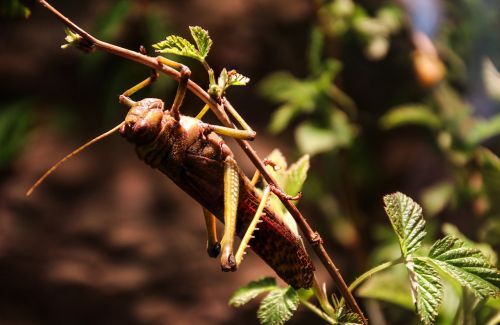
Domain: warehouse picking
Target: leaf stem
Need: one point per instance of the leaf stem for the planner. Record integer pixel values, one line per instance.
(374, 270)
(371, 272)
(317, 311)
(312, 236)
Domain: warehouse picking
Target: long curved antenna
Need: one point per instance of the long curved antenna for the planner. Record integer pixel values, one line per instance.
(60, 162)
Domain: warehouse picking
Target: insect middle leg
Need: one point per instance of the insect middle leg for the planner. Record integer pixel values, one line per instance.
(213, 246)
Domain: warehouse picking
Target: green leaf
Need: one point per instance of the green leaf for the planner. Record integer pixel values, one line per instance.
(491, 79)
(407, 221)
(223, 79)
(410, 114)
(281, 117)
(344, 316)
(202, 40)
(252, 290)
(483, 129)
(75, 40)
(436, 197)
(426, 288)
(237, 79)
(313, 137)
(14, 9)
(468, 266)
(296, 175)
(180, 46)
(278, 306)
(485, 248)
(283, 87)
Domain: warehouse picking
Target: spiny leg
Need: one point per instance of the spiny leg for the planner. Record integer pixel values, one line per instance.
(231, 197)
(252, 227)
(213, 246)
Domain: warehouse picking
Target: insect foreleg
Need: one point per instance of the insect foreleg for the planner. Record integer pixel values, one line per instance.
(231, 197)
(213, 246)
(125, 97)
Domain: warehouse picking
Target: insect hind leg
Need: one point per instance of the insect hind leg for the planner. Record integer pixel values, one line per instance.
(231, 197)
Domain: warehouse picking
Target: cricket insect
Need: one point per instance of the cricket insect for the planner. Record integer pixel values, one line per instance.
(193, 155)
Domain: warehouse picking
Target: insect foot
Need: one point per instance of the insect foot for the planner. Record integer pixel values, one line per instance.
(228, 263)
(213, 251)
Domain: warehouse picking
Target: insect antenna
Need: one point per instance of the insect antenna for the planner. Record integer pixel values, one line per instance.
(73, 153)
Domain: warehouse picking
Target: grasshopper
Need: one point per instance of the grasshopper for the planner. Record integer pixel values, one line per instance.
(195, 157)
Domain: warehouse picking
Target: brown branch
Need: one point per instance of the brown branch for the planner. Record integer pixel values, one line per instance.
(312, 236)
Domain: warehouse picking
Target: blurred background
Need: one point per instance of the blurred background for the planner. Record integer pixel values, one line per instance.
(384, 95)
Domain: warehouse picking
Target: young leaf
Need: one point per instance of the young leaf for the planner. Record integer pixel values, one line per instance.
(491, 79)
(344, 316)
(178, 45)
(407, 221)
(278, 306)
(75, 40)
(426, 289)
(223, 79)
(296, 175)
(468, 266)
(313, 139)
(237, 79)
(252, 290)
(202, 40)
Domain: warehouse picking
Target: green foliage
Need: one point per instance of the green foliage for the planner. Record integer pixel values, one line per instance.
(14, 9)
(407, 221)
(246, 293)
(278, 306)
(410, 114)
(15, 124)
(345, 317)
(426, 288)
(491, 79)
(330, 128)
(74, 40)
(314, 138)
(230, 78)
(180, 46)
(202, 40)
(466, 265)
